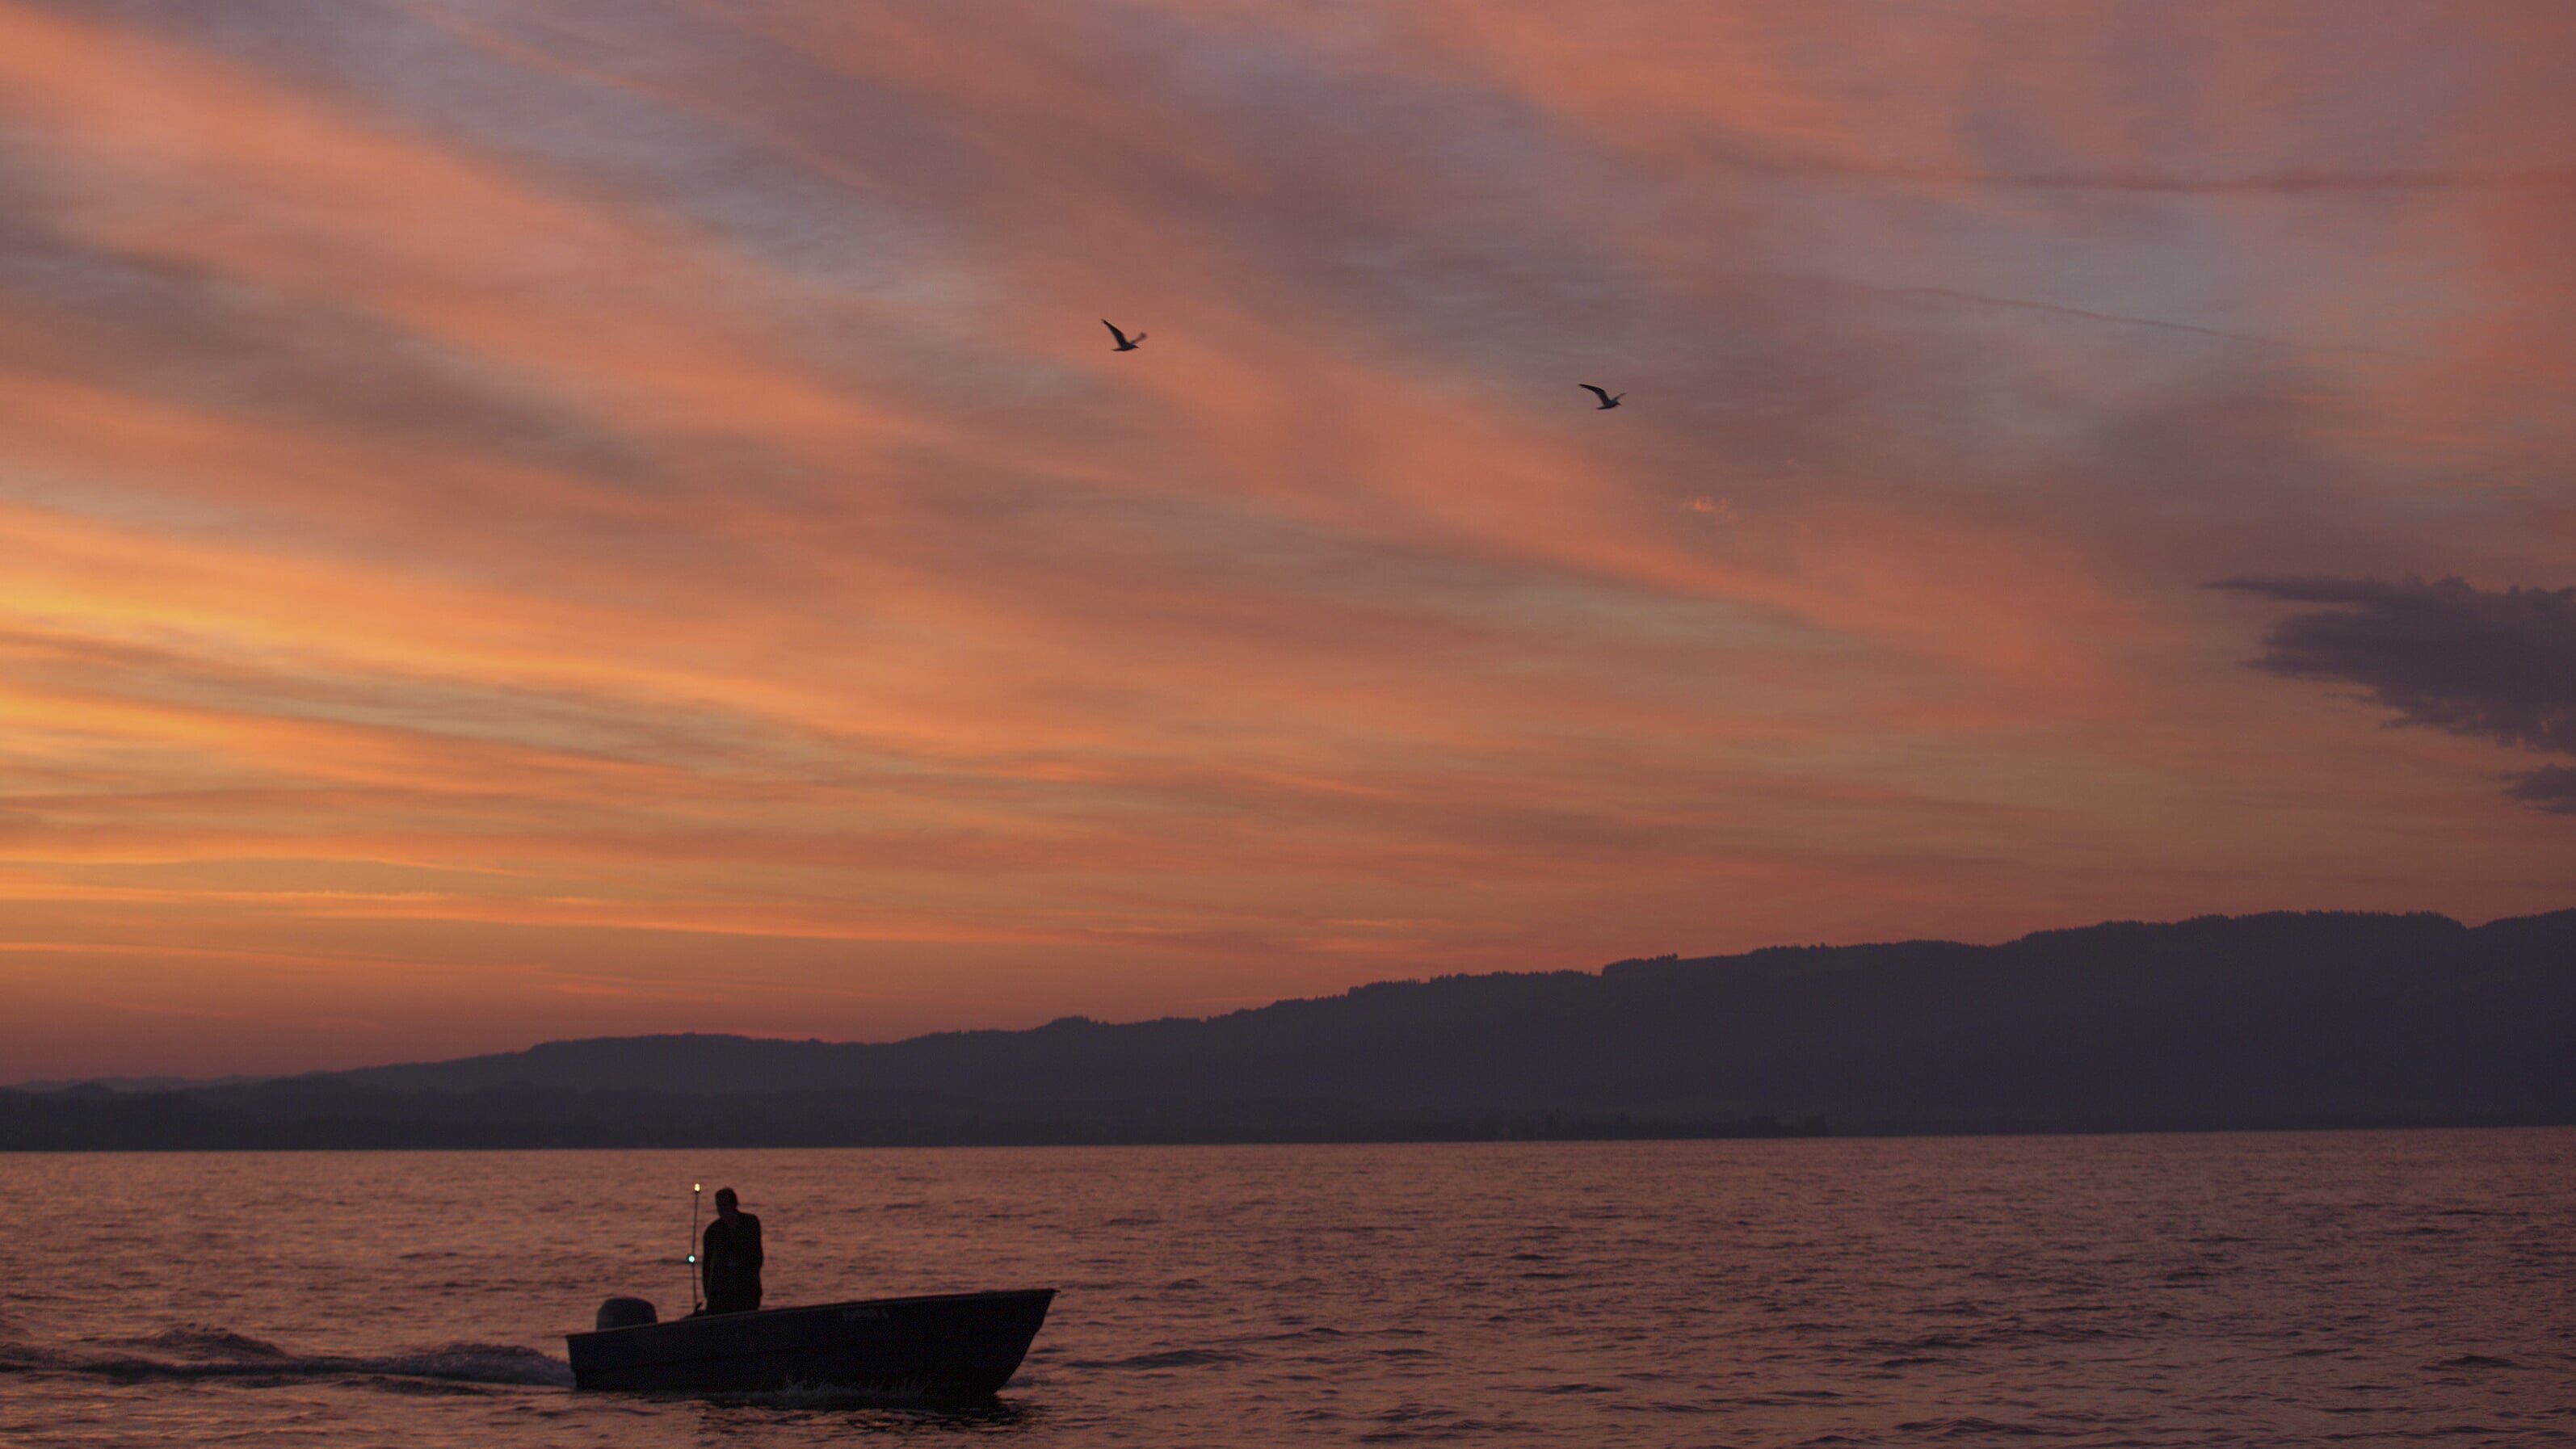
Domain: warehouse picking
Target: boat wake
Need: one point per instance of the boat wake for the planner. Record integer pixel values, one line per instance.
(198, 1353)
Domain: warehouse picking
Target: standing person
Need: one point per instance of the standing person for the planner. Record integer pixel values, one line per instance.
(729, 1259)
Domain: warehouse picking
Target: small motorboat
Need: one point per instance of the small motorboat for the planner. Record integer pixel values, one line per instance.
(945, 1346)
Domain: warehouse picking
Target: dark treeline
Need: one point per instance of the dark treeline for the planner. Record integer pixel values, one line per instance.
(2285, 1020)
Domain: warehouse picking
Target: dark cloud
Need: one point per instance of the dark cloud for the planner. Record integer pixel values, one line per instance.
(2551, 788)
(2497, 665)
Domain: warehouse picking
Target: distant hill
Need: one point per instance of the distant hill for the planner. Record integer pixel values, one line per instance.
(138, 1084)
(2281, 1020)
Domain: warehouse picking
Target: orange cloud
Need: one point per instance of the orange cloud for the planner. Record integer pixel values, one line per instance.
(525, 526)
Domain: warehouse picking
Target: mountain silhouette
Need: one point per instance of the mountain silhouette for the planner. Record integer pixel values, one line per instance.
(2283, 1020)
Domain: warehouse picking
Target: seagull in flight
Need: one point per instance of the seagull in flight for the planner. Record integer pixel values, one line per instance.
(1125, 342)
(1608, 400)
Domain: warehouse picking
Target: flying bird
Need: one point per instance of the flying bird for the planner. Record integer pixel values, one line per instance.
(1608, 401)
(1125, 343)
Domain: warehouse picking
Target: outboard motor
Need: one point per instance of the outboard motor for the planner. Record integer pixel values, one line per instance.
(626, 1313)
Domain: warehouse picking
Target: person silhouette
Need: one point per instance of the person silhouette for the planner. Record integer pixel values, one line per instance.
(729, 1260)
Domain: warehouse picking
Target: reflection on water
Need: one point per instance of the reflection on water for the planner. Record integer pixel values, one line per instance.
(798, 1414)
(2353, 1287)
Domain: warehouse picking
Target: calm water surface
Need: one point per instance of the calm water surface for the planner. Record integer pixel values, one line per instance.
(2346, 1288)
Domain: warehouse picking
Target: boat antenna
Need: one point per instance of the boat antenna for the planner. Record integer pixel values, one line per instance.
(695, 1303)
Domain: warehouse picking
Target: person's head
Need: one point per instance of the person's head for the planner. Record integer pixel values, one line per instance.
(727, 1205)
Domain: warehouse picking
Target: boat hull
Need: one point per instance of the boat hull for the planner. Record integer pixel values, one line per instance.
(948, 1346)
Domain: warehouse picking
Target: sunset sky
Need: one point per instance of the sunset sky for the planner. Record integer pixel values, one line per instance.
(523, 520)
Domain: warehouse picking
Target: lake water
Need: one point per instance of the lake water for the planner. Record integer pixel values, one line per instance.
(2352, 1288)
